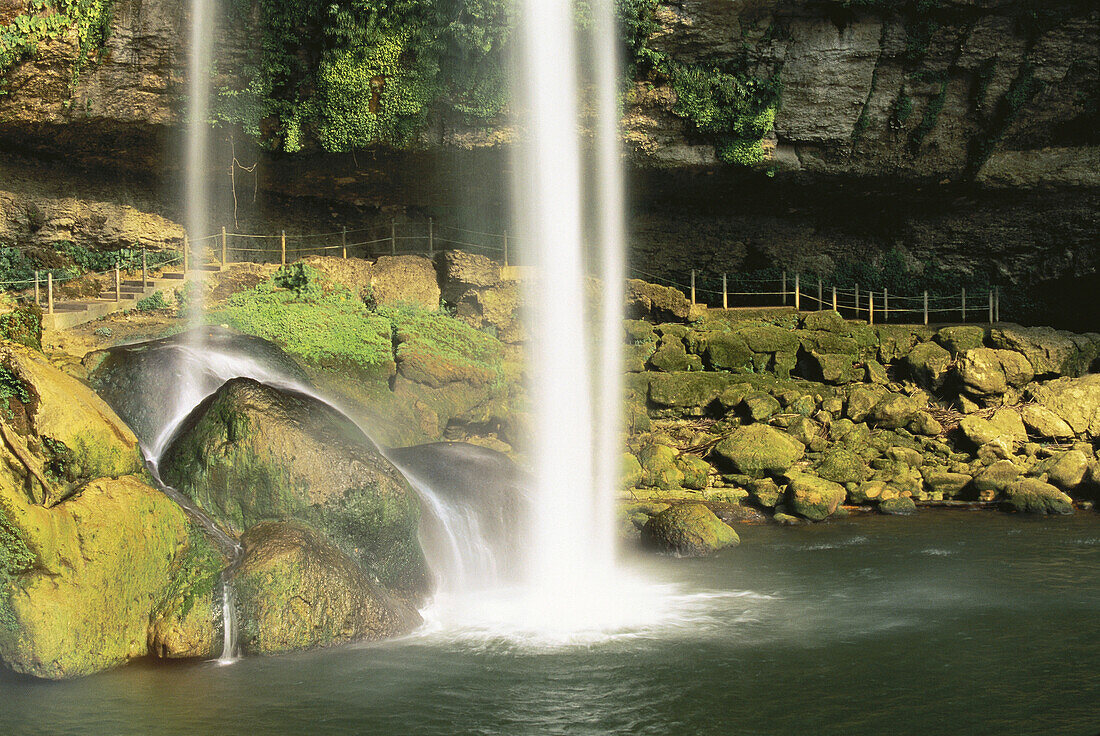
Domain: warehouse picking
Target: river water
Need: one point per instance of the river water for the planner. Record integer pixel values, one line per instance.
(947, 623)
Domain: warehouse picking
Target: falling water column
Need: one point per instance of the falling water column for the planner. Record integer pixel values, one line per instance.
(548, 201)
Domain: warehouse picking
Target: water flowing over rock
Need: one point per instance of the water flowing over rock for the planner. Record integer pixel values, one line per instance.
(252, 453)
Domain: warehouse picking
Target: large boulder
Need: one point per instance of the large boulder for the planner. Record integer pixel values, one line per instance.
(295, 590)
(893, 411)
(726, 351)
(959, 338)
(1033, 496)
(251, 453)
(1044, 423)
(460, 271)
(1050, 352)
(814, 498)
(929, 364)
(689, 393)
(688, 530)
(405, 280)
(759, 450)
(655, 303)
(989, 372)
(1005, 424)
(80, 582)
(1076, 401)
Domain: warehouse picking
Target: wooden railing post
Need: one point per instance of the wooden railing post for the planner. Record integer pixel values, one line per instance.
(693, 287)
(870, 307)
(223, 248)
(282, 247)
(49, 292)
(431, 238)
(505, 247)
(926, 307)
(834, 301)
(344, 242)
(964, 304)
(144, 270)
(797, 294)
(37, 296)
(820, 302)
(118, 284)
(393, 237)
(885, 305)
(784, 289)
(725, 294)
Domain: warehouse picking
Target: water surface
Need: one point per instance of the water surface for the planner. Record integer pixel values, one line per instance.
(951, 622)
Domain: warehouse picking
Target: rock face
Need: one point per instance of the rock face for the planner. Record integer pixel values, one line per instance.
(252, 453)
(688, 530)
(96, 567)
(296, 590)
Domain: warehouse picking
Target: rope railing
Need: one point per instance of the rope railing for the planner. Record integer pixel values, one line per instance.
(427, 238)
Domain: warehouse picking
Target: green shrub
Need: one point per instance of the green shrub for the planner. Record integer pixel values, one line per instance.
(23, 325)
(152, 302)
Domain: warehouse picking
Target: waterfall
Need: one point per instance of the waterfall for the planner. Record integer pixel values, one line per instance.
(575, 389)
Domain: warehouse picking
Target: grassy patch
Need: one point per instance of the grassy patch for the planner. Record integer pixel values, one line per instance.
(433, 348)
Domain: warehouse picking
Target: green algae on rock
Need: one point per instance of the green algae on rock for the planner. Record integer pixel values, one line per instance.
(688, 530)
(295, 590)
(759, 450)
(814, 498)
(252, 453)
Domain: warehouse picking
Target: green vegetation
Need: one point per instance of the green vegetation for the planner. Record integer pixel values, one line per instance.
(152, 302)
(15, 559)
(50, 20)
(67, 260)
(434, 348)
(23, 325)
(59, 464)
(195, 573)
(11, 387)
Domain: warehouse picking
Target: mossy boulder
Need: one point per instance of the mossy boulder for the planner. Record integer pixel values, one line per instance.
(688, 530)
(893, 411)
(1033, 496)
(459, 271)
(296, 590)
(759, 405)
(828, 321)
(1005, 425)
(765, 338)
(81, 581)
(841, 465)
(1076, 401)
(929, 364)
(630, 471)
(689, 393)
(861, 399)
(901, 506)
(994, 479)
(726, 351)
(1044, 423)
(659, 467)
(1066, 470)
(671, 357)
(758, 450)
(1050, 352)
(945, 483)
(696, 470)
(814, 498)
(835, 368)
(960, 338)
(184, 626)
(251, 453)
(655, 303)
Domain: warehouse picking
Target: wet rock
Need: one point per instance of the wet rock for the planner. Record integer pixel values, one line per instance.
(696, 471)
(655, 303)
(460, 271)
(897, 506)
(929, 364)
(295, 590)
(765, 492)
(251, 453)
(688, 530)
(814, 498)
(759, 450)
(1033, 496)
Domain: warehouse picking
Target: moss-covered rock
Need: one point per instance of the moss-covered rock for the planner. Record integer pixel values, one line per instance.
(696, 471)
(765, 492)
(893, 411)
(929, 364)
(251, 453)
(655, 303)
(691, 393)
(405, 280)
(671, 357)
(1005, 425)
(758, 450)
(944, 482)
(814, 498)
(828, 321)
(1066, 470)
(836, 369)
(183, 626)
(296, 590)
(726, 351)
(80, 581)
(630, 471)
(1050, 352)
(861, 399)
(1044, 423)
(766, 338)
(1076, 401)
(841, 465)
(1033, 496)
(688, 530)
(460, 270)
(659, 467)
(959, 338)
(759, 405)
(993, 480)
(900, 506)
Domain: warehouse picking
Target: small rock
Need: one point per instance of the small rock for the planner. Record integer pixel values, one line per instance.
(898, 506)
(1033, 496)
(814, 498)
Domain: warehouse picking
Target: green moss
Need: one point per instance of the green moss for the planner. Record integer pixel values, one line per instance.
(334, 331)
(48, 20)
(12, 387)
(195, 573)
(15, 559)
(23, 325)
